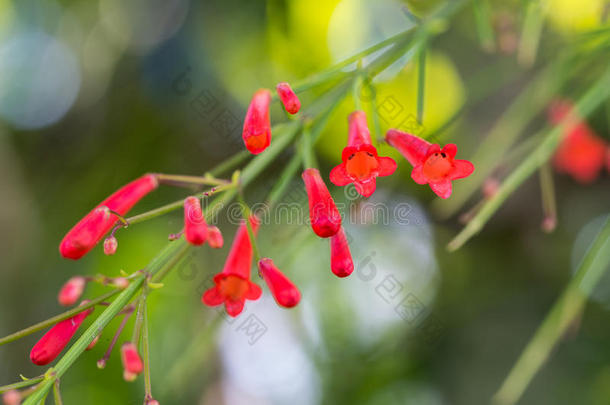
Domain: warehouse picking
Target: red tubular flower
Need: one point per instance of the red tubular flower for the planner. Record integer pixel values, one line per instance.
(132, 362)
(581, 153)
(56, 339)
(361, 164)
(92, 228)
(257, 125)
(71, 291)
(215, 237)
(233, 286)
(284, 291)
(289, 99)
(341, 262)
(431, 164)
(195, 227)
(323, 213)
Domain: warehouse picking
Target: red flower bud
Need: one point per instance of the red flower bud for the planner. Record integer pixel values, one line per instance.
(132, 362)
(283, 290)
(215, 237)
(93, 342)
(323, 213)
(195, 227)
(56, 339)
(71, 291)
(92, 228)
(341, 262)
(257, 124)
(233, 286)
(120, 282)
(110, 245)
(11, 397)
(289, 99)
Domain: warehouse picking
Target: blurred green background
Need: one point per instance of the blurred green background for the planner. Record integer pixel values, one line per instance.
(95, 93)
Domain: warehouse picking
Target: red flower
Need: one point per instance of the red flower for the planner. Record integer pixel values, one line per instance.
(341, 262)
(289, 99)
(323, 213)
(215, 237)
(71, 291)
(132, 362)
(284, 291)
(56, 339)
(361, 164)
(110, 245)
(257, 125)
(233, 285)
(581, 153)
(92, 228)
(431, 164)
(195, 227)
(11, 397)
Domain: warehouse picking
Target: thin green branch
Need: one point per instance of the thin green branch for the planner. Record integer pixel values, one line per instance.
(57, 393)
(593, 98)
(563, 313)
(57, 318)
(146, 353)
(21, 384)
(421, 83)
(485, 30)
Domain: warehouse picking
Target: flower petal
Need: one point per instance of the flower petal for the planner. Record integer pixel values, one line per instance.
(387, 166)
(450, 149)
(339, 177)
(434, 148)
(410, 146)
(234, 307)
(461, 169)
(254, 292)
(442, 188)
(418, 175)
(212, 297)
(367, 188)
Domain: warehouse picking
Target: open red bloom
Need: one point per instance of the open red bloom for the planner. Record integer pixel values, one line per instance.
(289, 99)
(92, 228)
(581, 153)
(56, 339)
(195, 227)
(132, 362)
(361, 164)
(71, 291)
(341, 262)
(323, 213)
(284, 291)
(233, 286)
(431, 164)
(257, 125)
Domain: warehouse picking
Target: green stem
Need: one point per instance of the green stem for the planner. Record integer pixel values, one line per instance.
(549, 205)
(57, 318)
(231, 163)
(21, 384)
(563, 313)
(172, 253)
(175, 179)
(146, 353)
(421, 83)
(482, 15)
(307, 152)
(137, 327)
(280, 187)
(247, 213)
(593, 98)
(531, 32)
(57, 393)
(356, 89)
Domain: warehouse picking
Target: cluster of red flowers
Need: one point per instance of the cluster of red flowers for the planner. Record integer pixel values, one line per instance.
(361, 165)
(581, 153)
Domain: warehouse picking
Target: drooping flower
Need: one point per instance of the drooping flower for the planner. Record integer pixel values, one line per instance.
(195, 227)
(361, 165)
(92, 228)
(581, 153)
(110, 245)
(323, 213)
(132, 362)
(257, 124)
(341, 262)
(289, 99)
(56, 339)
(431, 164)
(233, 285)
(71, 291)
(215, 239)
(284, 291)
